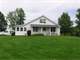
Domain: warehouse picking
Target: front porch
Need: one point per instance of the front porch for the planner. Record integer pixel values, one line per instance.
(45, 29)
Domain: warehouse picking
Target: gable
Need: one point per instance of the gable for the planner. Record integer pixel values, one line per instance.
(37, 21)
(42, 21)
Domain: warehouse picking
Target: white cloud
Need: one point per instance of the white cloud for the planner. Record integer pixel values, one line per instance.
(35, 8)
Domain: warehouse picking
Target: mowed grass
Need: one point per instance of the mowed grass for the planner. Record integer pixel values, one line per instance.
(39, 48)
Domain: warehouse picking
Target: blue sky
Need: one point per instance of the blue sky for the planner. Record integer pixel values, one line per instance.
(35, 8)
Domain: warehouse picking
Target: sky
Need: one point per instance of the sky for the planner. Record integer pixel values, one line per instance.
(35, 8)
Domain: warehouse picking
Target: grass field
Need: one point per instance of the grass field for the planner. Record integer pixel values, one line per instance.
(39, 48)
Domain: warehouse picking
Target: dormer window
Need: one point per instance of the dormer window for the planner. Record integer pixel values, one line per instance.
(42, 20)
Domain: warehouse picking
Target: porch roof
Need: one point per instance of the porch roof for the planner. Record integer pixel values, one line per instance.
(38, 25)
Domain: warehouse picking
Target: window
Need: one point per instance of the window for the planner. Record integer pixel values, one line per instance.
(42, 21)
(24, 28)
(44, 29)
(53, 29)
(35, 29)
(21, 29)
(17, 28)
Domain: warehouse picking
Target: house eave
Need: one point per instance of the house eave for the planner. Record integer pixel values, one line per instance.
(38, 25)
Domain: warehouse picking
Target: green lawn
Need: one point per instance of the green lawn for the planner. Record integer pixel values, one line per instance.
(39, 48)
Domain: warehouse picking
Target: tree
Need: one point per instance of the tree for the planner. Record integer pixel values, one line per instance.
(21, 16)
(16, 17)
(11, 17)
(3, 22)
(78, 18)
(65, 23)
(78, 22)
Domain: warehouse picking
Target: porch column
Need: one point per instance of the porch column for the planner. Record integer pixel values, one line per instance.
(41, 30)
(32, 30)
(58, 30)
(50, 30)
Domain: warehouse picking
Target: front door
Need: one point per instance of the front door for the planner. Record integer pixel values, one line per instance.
(46, 31)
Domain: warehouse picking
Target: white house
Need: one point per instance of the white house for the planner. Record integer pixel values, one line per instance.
(40, 25)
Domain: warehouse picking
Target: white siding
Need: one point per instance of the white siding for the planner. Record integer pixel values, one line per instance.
(38, 22)
(20, 32)
(28, 27)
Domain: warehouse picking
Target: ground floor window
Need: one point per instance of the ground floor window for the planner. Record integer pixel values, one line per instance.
(35, 29)
(24, 28)
(17, 28)
(21, 29)
(44, 28)
(53, 29)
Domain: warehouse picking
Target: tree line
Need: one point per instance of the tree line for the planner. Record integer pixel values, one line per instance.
(17, 17)
(12, 19)
(66, 24)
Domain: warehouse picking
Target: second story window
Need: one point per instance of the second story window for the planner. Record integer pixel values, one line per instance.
(42, 21)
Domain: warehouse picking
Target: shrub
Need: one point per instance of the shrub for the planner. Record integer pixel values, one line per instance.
(13, 34)
(29, 32)
(37, 34)
(3, 35)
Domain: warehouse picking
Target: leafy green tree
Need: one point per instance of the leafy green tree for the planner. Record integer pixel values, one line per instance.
(65, 23)
(11, 17)
(21, 16)
(78, 22)
(16, 17)
(3, 22)
(78, 18)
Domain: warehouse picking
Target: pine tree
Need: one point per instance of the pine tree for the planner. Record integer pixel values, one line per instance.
(3, 22)
(65, 23)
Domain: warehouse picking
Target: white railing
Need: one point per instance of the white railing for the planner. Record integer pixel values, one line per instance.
(53, 33)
